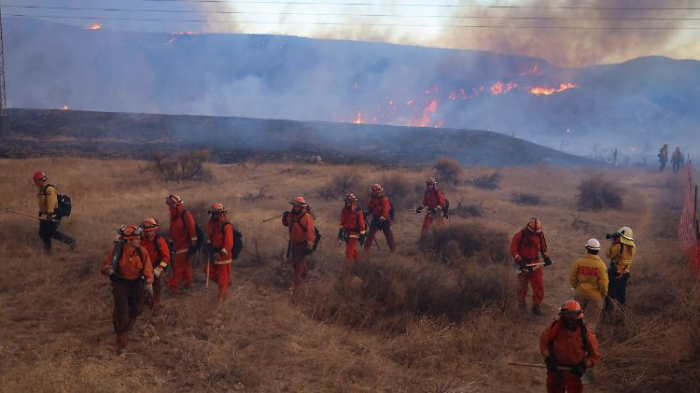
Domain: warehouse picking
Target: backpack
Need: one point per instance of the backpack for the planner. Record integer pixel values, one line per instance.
(198, 231)
(237, 241)
(64, 207)
(171, 249)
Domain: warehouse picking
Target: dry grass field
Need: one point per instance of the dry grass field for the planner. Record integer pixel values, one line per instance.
(412, 321)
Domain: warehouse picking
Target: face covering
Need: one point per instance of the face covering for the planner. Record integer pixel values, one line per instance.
(570, 324)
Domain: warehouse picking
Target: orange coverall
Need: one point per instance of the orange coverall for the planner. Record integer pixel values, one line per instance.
(566, 346)
(127, 286)
(301, 237)
(528, 246)
(379, 206)
(432, 199)
(353, 221)
(221, 240)
(182, 234)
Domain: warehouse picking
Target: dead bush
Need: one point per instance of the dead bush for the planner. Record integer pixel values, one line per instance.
(466, 210)
(525, 199)
(469, 242)
(448, 170)
(487, 182)
(184, 166)
(342, 183)
(596, 193)
(387, 295)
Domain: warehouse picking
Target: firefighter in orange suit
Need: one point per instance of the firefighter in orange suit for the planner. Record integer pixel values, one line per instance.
(220, 244)
(159, 252)
(302, 237)
(380, 208)
(352, 228)
(434, 201)
(569, 348)
(525, 248)
(131, 272)
(184, 238)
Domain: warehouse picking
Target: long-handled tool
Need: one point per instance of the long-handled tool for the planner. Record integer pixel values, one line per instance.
(271, 219)
(23, 214)
(587, 378)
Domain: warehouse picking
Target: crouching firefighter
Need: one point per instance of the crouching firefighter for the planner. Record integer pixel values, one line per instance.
(220, 246)
(131, 272)
(352, 229)
(569, 348)
(525, 248)
(302, 237)
(159, 252)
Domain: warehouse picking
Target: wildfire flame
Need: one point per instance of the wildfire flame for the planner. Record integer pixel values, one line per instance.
(65, 107)
(539, 91)
(359, 119)
(534, 71)
(94, 26)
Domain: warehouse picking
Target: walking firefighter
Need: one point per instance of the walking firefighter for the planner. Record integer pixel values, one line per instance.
(50, 213)
(130, 269)
(220, 245)
(569, 348)
(381, 210)
(183, 234)
(302, 237)
(525, 248)
(435, 202)
(159, 253)
(352, 228)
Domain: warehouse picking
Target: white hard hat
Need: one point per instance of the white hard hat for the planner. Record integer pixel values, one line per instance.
(593, 244)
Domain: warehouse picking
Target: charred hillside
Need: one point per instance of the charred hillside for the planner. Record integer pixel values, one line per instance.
(234, 139)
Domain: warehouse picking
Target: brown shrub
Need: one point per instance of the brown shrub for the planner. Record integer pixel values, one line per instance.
(342, 183)
(596, 193)
(487, 182)
(184, 166)
(470, 242)
(466, 210)
(448, 170)
(525, 199)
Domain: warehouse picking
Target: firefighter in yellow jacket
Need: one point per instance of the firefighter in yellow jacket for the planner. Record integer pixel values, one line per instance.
(589, 278)
(621, 253)
(50, 217)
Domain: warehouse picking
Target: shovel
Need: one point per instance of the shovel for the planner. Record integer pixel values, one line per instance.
(587, 379)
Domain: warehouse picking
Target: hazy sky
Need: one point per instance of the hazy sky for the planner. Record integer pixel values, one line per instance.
(599, 31)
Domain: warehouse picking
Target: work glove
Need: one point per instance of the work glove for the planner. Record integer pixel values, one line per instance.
(551, 363)
(193, 247)
(547, 260)
(223, 252)
(309, 251)
(149, 290)
(419, 209)
(517, 259)
(341, 235)
(107, 270)
(361, 240)
(284, 216)
(157, 272)
(524, 267)
(579, 369)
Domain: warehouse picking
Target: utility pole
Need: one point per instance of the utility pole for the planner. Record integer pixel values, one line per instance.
(4, 120)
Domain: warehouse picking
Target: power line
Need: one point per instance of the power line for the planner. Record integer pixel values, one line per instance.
(341, 15)
(354, 24)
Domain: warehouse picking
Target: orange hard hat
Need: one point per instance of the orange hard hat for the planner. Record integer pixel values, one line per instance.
(217, 208)
(39, 175)
(298, 201)
(350, 197)
(377, 188)
(130, 232)
(149, 224)
(173, 200)
(431, 180)
(571, 307)
(534, 225)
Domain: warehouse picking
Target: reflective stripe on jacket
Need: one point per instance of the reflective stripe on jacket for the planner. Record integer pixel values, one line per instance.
(220, 239)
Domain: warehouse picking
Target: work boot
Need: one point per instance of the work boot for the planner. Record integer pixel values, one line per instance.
(536, 310)
(521, 305)
(122, 343)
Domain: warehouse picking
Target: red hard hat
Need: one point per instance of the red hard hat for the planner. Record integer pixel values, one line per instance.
(39, 175)
(377, 188)
(173, 200)
(217, 208)
(534, 225)
(149, 224)
(130, 232)
(571, 307)
(350, 197)
(298, 201)
(431, 180)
